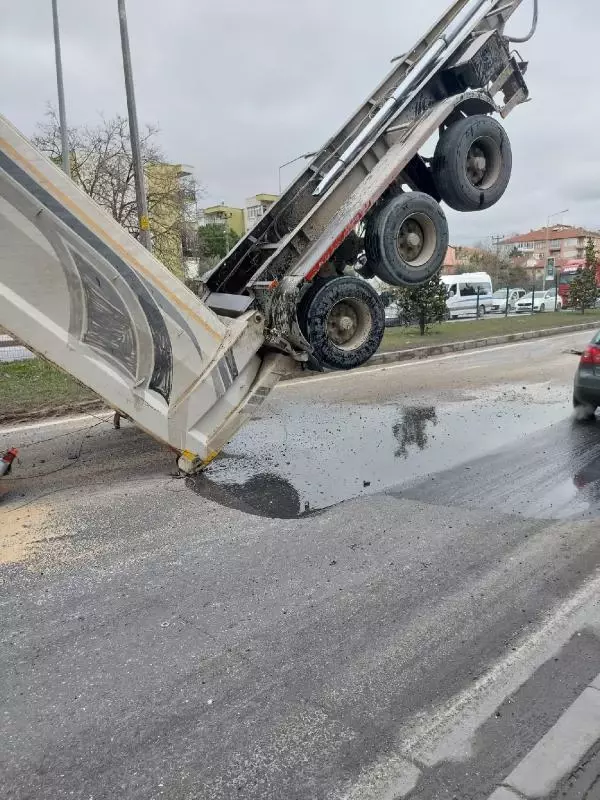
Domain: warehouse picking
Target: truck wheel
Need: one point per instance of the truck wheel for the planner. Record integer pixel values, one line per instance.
(344, 321)
(472, 163)
(407, 240)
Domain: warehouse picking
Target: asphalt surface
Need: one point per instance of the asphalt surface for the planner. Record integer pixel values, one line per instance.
(386, 587)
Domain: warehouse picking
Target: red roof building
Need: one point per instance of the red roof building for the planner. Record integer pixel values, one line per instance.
(561, 242)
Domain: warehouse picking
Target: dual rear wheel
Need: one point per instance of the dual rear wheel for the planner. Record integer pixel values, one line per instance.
(406, 241)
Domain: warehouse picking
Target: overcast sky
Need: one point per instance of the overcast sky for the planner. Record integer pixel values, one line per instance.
(238, 88)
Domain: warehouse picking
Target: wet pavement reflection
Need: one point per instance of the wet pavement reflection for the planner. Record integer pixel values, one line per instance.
(412, 430)
(552, 474)
(301, 458)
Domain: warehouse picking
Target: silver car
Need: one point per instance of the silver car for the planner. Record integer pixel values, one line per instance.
(514, 295)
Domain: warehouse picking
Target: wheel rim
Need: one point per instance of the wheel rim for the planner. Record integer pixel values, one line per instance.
(484, 162)
(416, 240)
(348, 324)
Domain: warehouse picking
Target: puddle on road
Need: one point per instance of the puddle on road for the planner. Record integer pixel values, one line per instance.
(305, 457)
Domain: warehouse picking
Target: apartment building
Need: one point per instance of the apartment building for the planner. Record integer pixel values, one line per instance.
(256, 207)
(561, 242)
(224, 215)
(240, 220)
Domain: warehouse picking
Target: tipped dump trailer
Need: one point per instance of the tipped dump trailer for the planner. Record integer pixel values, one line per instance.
(190, 368)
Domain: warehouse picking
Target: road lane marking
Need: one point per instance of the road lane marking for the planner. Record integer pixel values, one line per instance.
(52, 422)
(418, 361)
(447, 733)
(559, 752)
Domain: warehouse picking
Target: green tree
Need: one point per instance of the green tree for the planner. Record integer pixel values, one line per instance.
(516, 276)
(583, 292)
(426, 304)
(215, 241)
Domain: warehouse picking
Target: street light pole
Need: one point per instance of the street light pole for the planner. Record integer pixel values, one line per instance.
(556, 214)
(293, 161)
(62, 113)
(134, 136)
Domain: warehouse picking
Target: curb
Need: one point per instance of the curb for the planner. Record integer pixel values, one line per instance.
(420, 353)
(557, 753)
(474, 344)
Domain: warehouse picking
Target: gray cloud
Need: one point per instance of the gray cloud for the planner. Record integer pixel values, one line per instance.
(238, 89)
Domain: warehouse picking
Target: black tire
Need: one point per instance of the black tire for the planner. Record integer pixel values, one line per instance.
(542, 307)
(307, 297)
(464, 181)
(481, 312)
(407, 239)
(353, 302)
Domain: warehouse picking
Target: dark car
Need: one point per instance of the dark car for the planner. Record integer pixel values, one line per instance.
(586, 391)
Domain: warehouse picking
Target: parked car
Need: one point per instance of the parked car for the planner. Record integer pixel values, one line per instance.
(392, 315)
(586, 389)
(540, 301)
(514, 295)
(463, 291)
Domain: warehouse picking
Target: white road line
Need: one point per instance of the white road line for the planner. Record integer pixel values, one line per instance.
(50, 423)
(559, 752)
(447, 733)
(417, 362)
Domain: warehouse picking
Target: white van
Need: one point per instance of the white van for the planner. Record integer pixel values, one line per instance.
(462, 294)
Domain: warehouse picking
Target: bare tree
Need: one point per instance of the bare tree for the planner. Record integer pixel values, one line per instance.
(101, 165)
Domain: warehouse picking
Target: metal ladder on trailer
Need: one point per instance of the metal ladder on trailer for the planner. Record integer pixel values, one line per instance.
(303, 230)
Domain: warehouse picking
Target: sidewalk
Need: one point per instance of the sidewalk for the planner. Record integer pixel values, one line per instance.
(565, 763)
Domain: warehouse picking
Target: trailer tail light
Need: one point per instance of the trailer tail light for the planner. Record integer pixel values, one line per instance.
(591, 355)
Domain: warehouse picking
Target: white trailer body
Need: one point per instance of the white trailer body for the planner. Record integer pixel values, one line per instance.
(83, 293)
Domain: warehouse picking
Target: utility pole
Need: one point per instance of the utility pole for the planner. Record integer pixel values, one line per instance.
(62, 113)
(496, 241)
(226, 234)
(134, 136)
(556, 214)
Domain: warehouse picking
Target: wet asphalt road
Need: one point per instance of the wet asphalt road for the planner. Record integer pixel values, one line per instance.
(385, 588)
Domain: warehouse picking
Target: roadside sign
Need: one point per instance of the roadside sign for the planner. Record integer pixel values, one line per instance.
(550, 269)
